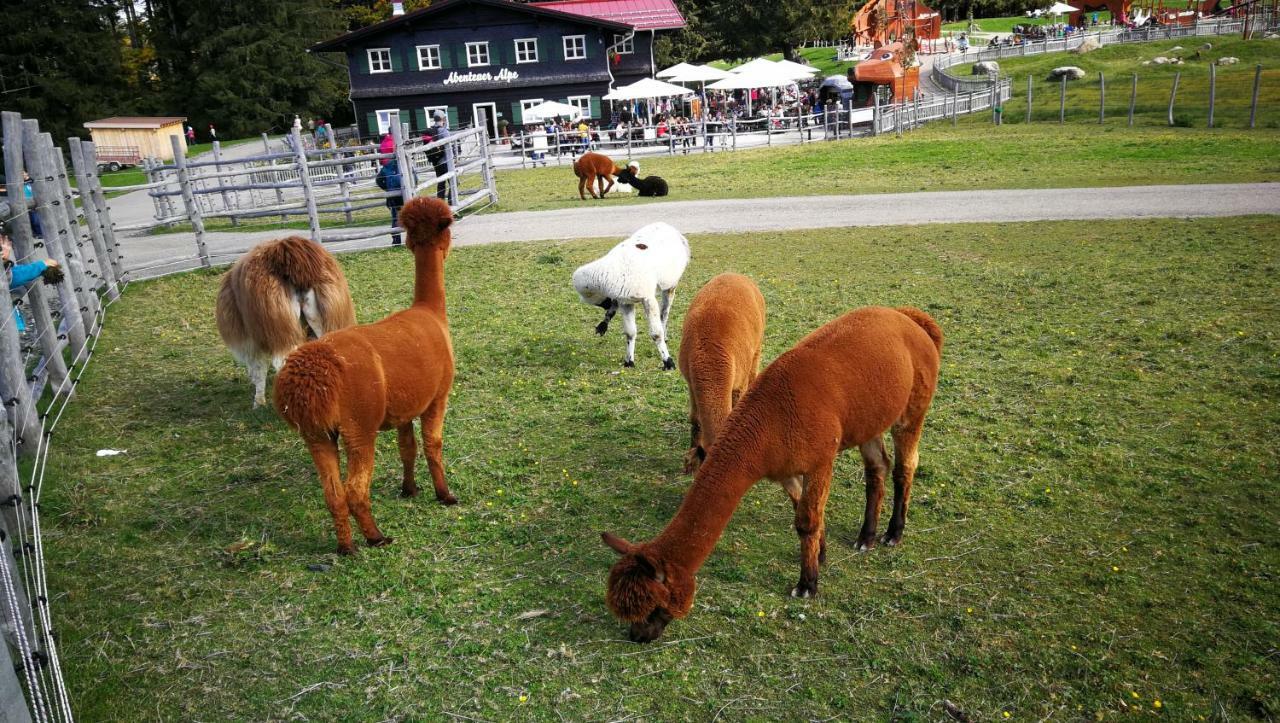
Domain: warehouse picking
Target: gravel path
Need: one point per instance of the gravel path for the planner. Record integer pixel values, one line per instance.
(602, 219)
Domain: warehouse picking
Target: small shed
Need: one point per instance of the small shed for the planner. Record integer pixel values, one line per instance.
(139, 137)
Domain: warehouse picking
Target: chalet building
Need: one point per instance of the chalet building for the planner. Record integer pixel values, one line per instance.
(498, 56)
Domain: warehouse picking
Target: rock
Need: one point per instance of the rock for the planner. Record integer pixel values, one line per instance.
(1089, 45)
(1070, 72)
(1207, 46)
(319, 567)
(986, 67)
(1161, 60)
(1228, 60)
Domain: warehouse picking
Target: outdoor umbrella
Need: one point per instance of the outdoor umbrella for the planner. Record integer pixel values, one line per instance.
(753, 66)
(755, 75)
(1060, 8)
(551, 109)
(673, 70)
(700, 74)
(798, 70)
(647, 88)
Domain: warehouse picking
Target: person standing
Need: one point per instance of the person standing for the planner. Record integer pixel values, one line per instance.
(191, 135)
(439, 157)
(213, 133)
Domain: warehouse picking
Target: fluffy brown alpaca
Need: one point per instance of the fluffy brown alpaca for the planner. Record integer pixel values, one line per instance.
(591, 167)
(844, 385)
(719, 355)
(268, 296)
(350, 384)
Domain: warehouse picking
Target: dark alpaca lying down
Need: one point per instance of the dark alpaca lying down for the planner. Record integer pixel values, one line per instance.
(649, 186)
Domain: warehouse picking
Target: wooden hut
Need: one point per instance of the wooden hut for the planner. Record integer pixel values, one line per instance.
(137, 137)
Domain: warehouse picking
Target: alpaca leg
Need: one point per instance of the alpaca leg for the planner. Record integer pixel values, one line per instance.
(657, 331)
(605, 189)
(693, 458)
(359, 478)
(668, 296)
(408, 455)
(258, 377)
(906, 455)
(582, 188)
(311, 312)
(629, 329)
(433, 447)
(609, 311)
(875, 462)
(325, 455)
(810, 527)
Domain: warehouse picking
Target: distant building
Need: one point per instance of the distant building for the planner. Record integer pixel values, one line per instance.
(497, 56)
(140, 136)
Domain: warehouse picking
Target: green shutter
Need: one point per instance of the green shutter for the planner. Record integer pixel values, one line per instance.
(421, 113)
(543, 54)
(453, 117)
(373, 124)
(446, 56)
(360, 62)
(592, 45)
(560, 50)
(397, 63)
(517, 115)
(595, 107)
(411, 57)
(406, 117)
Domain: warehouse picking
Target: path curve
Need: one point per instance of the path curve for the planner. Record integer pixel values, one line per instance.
(593, 219)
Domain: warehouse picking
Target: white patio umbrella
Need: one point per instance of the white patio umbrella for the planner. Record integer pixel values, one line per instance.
(754, 65)
(673, 70)
(799, 70)
(761, 76)
(647, 88)
(551, 109)
(699, 74)
(1060, 8)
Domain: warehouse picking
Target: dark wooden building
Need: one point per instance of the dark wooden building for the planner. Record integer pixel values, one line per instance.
(499, 56)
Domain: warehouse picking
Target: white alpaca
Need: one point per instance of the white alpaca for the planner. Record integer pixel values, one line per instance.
(646, 266)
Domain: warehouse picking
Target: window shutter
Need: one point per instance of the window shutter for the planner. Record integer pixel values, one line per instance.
(453, 117)
(421, 113)
(360, 61)
(397, 64)
(591, 45)
(517, 114)
(595, 107)
(406, 117)
(411, 57)
(543, 54)
(560, 50)
(373, 125)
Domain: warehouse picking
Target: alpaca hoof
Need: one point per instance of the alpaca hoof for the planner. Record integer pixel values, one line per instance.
(448, 500)
(866, 545)
(668, 364)
(804, 591)
(347, 550)
(891, 540)
(408, 492)
(381, 541)
(628, 363)
(601, 328)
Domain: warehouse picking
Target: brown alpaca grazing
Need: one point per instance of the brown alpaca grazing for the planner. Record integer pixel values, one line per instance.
(592, 167)
(719, 356)
(276, 296)
(350, 384)
(844, 385)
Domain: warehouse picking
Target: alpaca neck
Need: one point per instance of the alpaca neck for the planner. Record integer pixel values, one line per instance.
(428, 278)
(717, 490)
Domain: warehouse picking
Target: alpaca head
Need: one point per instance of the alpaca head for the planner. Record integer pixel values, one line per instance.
(583, 283)
(646, 592)
(426, 222)
(626, 175)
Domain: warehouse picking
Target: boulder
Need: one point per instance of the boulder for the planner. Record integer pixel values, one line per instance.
(986, 67)
(1070, 72)
(1161, 60)
(1228, 60)
(1090, 44)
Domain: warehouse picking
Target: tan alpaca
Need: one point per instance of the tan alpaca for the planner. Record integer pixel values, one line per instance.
(719, 355)
(352, 383)
(268, 296)
(844, 385)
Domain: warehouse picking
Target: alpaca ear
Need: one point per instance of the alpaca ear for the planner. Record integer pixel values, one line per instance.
(617, 544)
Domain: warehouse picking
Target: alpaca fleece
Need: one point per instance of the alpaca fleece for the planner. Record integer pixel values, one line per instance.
(647, 186)
(352, 383)
(268, 295)
(590, 168)
(844, 385)
(719, 355)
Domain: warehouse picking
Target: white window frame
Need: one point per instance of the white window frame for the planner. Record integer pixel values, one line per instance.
(385, 117)
(583, 102)
(565, 40)
(379, 69)
(425, 66)
(534, 43)
(487, 57)
(623, 44)
(431, 111)
(526, 104)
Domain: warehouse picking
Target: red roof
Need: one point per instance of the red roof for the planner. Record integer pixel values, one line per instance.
(640, 14)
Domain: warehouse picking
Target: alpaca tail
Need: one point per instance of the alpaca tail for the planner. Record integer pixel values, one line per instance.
(300, 263)
(925, 322)
(308, 390)
(231, 326)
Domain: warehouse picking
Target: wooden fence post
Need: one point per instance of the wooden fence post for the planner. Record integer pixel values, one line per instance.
(1029, 78)
(112, 246)
(217, 166)
(1133, 98)
(304, 175)
(83, 255)
(343, 187)
(266, 149)
(97, 238)
(24, 245)
(955, 106)
(487, 168)
(1062, 102)
(1253, 104)
(1173, 94)
(189, 200)
(1102, 97)
(1213, 88)
(77, 301)
(408, 180)
(148, 168)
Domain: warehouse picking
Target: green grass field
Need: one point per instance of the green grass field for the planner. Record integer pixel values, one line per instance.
(1092, 533)
(1005, 24)
(1119, 63)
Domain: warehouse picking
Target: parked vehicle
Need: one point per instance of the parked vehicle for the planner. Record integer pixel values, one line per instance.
(113, 158)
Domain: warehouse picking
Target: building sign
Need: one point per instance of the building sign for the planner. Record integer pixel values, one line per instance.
(505, 75)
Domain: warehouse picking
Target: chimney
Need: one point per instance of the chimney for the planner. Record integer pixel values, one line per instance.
(397, 8)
